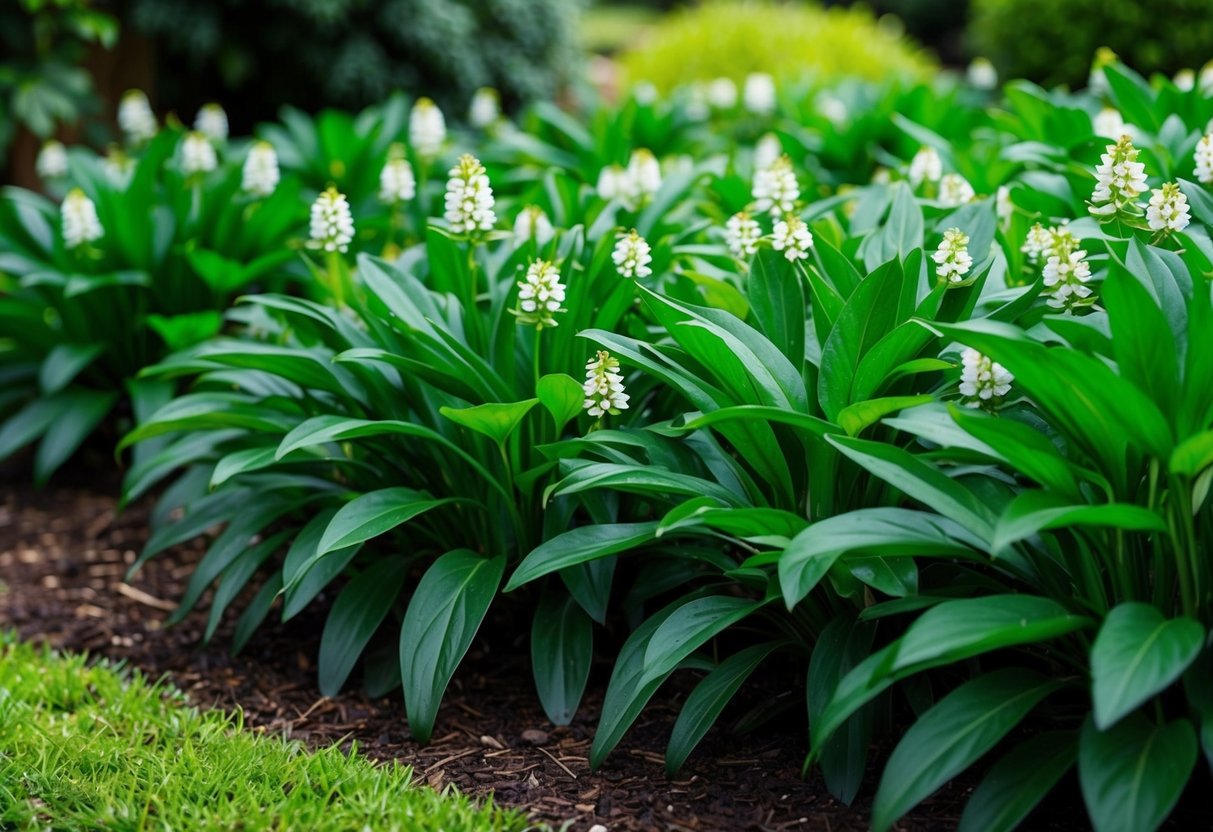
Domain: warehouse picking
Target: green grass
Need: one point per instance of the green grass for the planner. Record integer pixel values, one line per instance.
(91, 747)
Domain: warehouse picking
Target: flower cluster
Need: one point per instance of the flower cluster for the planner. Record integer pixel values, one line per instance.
(136, 118)
(52, 161)
(792, 237)
(1167, 210)
(1066, 272)
(1004, 208)
(1119, 180)
(469, 197)
(603, 388)
(952, 258)
(1037, 243)
(759, 93)
(117, 165)
(633, 185)
(1204, 159)
(982, 382)
(741, 234)
(533, 224)
(197, 154)
(721, 93)
(211, 122)
(81, 225)
(926, 166)
(332, 225)
(427, 128)
(955, 190)
(260, 174)
(485, 108)
(396, 180)
(775, 188)
(1109, 124)
(540, 295)
(767, 151)
(632, 255)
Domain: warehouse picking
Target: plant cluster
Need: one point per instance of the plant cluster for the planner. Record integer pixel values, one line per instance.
(898, 385)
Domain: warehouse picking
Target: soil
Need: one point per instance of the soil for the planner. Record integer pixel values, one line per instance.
(63, 554)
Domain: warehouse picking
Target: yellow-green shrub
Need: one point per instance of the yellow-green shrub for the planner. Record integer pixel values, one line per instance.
(733, 38)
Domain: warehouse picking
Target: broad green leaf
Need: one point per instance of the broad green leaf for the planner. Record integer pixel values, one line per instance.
(690, 627)
(954, 734)
(579, 545)
(703, 707)
(1035, 511)
(444, 614)
(563, 397)
(1137, 655)
(356, 615)
(1133, 774)
(497, 421)
(956, 630)
(854, 418)
(79, 411)
(562, 647)
(370, 515)
(873, 531)
(841, 646)
(1019, 781)
(63, 363)
(641, 479)
(777, 299)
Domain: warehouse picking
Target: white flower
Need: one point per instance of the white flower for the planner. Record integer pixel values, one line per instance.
(396, 180)
(792, 237)
(533, 224)
(1003, 207)
(1185, 80)
(1097, 81)
(981, 74)
(540, 295)
(332, 225)
(982, 381)
(767, 151)
(952, 259)
(197, 154)
(1108, 123)
(741, 234)
(645, 93)
(1168, 209)
(926, 166)
(955, 190)
(117, 166)
(1204, 159)
(427, 128)
(632, 255)
(52, 161)
(80, 223)
(136, 118)
(1038, 241)
(1205, 79)
(1119, 179)
(722, 93)
(485, 108)
(260, 174)
(697, 102)
(612, 182)
(759, 93)
(469, 197)
(642, 178)
(881, 176)
(1066, 272)
(603, 388)
(775, 188)
(211, 122)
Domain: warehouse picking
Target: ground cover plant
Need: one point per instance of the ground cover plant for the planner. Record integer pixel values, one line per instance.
(901, 385)
(89, 746)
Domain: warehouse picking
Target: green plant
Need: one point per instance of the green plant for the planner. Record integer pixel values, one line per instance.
(88, 746)
(787, 40)
(1054, 42)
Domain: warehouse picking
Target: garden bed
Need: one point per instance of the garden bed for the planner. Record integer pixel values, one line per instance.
(62, 556)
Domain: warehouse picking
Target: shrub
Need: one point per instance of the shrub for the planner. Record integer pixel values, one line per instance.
(1054, 41)
(787, 40)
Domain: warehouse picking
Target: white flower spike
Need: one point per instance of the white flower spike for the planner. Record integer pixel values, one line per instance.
(1204, 159)
(197, 155)
(776, 189)
(136, 118)
(952, 259)
(955, 190)
(52, 161)
(332, 224)
(1119, 180)
(1066, 272)
(396, 181)
(485, 108)
(603, 388)
(260, 173)
(983, 382)
(741, 234)
(533, 224)
(211, 122)
(1168, 210)
(81, 225)
(469, 197)
(540, 295)
(427, 128)
(1038, 241)
(759, 94)
(926, 166)
(792, 237)
(642, 178)
(632, 255)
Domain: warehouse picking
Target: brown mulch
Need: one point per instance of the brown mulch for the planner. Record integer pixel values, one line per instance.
(63, 553)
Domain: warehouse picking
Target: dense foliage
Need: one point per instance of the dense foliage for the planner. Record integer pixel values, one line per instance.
(906, 387)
